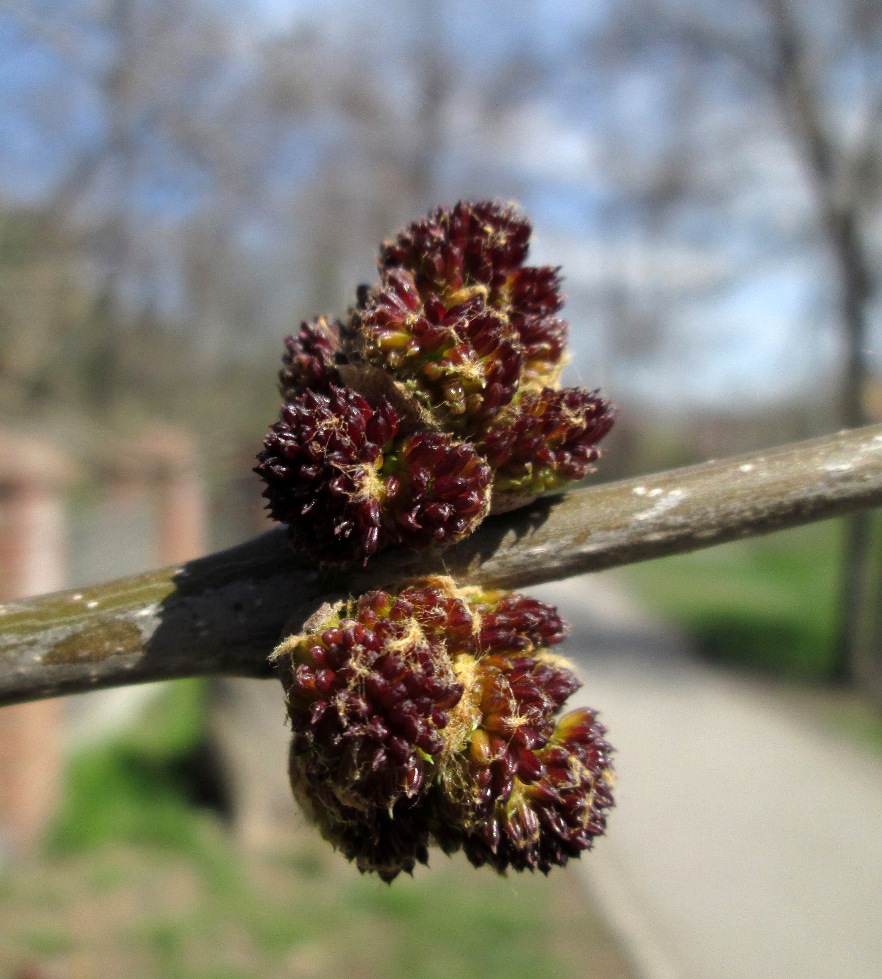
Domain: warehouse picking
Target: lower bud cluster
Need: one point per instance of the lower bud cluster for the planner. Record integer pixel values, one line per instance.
(434, 715)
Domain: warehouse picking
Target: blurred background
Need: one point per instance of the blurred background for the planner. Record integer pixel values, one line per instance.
(183, 181)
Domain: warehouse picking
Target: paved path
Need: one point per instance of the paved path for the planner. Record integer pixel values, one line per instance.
(747, 840)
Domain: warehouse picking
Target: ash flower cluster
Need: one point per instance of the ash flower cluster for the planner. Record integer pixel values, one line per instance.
(436, 401)
(433, 714)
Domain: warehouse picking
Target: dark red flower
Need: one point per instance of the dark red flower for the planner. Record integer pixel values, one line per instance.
(370, 686)
(439, 490)
(447, 366)
(320, 464)
(558, 803)
(373, 700)
(454, 249)
(386, 842)
(517, 623)
(433, 714)
(547, 439)
(309, 361)
(460, 364)
(457, 320)
(531, 790)
(346, 484)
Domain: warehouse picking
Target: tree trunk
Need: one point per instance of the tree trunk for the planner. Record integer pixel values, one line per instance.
(840, 223)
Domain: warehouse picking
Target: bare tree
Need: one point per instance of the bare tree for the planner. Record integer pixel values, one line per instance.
(778, 102)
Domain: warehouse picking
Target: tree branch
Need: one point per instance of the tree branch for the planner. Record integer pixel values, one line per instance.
(222, 614)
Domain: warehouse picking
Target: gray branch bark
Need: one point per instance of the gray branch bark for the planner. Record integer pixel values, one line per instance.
(223, 614)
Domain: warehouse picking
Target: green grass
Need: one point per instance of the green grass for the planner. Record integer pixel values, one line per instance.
(133, 789)
(137, 789)
(162, 920)
(49, 941)
(767, 603)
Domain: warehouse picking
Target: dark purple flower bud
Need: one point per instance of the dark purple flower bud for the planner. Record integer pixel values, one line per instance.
(309, 360)
(517, 623)
(475, 251)
(406, 728)
(429, 508)
(476, 242)
(544, 340)
(459, 340)
(532, 790)
(546, 440)
(457, 364)
(320, 464)
(375, 721)
(386, 842)
(457, 320)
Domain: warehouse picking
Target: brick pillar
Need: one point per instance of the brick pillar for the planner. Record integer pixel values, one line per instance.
(170, 459)
(32, 561)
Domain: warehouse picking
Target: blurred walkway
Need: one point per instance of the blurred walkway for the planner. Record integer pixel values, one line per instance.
(747, 840)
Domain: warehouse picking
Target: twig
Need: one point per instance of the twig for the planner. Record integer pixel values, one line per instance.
(222, 614)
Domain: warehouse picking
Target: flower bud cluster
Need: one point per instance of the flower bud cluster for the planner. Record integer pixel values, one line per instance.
(549, 441)
(309, 363)
(459, 341)
(345, 480)
(433, 714)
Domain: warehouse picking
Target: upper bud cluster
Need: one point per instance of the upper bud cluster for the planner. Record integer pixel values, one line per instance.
(465, 267)
(434, 713)
(460, 342)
